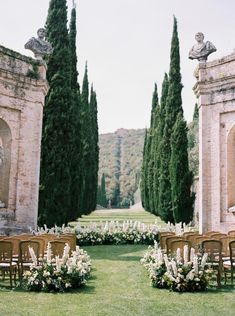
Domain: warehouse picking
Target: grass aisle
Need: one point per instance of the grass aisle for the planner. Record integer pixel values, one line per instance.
(119, 286)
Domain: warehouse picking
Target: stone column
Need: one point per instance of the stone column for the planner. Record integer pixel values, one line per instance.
(215, 90)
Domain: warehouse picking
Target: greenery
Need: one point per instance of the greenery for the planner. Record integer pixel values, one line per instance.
(120, 160)
(166, 180)
(193, 142)
(101, 193)
(69, 159)
(55, 177)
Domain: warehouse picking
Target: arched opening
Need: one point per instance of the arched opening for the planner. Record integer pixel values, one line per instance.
(231, 167)
(5, 162)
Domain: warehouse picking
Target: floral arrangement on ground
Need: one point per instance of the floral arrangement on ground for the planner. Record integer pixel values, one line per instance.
(57, 274)
(177, 273)
(108, 233)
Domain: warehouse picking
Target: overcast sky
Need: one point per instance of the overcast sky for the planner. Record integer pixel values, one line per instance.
(127, 46)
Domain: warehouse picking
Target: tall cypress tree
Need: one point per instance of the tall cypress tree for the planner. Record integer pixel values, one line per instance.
(103, 198)
(143, 182)
(152, 148)
(94, 154)
(181, 177)
(75, 170)
(158, 139)
(86, 136)
(55, 180)
(173, 107)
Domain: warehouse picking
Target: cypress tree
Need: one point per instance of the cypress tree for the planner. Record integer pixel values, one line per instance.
(158, 139)
(75, 170)
(103, 198)
(143, 184)
(152, 148)
(94, 154)
(181, 177)
(55, 180)
(173, 107)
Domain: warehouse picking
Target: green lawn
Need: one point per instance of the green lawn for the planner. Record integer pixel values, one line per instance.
(120, 215)
(119, 286)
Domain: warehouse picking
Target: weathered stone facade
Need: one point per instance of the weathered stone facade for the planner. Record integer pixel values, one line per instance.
(216, 92)
(23, 88)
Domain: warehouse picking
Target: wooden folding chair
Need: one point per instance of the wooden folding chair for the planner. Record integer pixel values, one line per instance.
(25, 260)
(7, 265)
(214, 250)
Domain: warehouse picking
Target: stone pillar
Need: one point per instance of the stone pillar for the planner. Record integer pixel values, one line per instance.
(215, 90)
(23, 88)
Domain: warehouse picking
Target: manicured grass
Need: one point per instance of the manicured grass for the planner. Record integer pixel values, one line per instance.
(120, 215)
(119, 286)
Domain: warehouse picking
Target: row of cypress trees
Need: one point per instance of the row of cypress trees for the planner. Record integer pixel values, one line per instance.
(166, 180)
(69, 153)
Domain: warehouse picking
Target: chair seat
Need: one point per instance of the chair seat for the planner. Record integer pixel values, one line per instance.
(227, 264)
(7, 265)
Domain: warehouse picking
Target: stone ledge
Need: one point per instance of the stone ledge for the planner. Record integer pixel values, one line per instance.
(16, 55)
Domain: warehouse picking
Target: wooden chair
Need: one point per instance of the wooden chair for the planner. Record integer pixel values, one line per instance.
(229, 265)
(7, 265)
(192, 239)
(218, 235)
(70, 239)
(42, 243)
(180, 243)
(225, 246)
(214, 250)
(211, 232)
(25, 260)
(190, 234)
(169, 240)
(163, 237)
(57, 248)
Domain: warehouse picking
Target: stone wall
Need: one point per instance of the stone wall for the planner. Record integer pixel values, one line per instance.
(22, 92)
(216, 92)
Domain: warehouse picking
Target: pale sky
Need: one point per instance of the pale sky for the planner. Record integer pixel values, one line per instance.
(127, 46)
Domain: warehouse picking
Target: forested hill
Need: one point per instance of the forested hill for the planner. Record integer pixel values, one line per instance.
(120, 159)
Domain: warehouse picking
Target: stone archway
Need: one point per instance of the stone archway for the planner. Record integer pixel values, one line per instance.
(5, 161)
(231, 168)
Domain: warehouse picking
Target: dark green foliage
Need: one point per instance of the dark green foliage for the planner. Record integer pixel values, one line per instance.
(181, 177)
(101, 195)
(76, 155)
(172, 108)
(152, 148)
(86, 163)
(55, 180)
(159, 135)
(94, 150)
(144, 173)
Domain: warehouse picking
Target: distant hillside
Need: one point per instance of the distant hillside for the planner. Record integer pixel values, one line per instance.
(121, 160)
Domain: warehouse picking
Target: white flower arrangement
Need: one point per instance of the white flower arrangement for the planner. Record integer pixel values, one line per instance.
(59, 274)
(177, 273)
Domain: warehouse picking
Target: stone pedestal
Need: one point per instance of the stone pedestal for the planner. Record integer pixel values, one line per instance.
(23, 88)
(215, 89)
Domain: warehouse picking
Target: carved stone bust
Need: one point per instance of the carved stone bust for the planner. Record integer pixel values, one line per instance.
(39, 46)
(201, 50)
